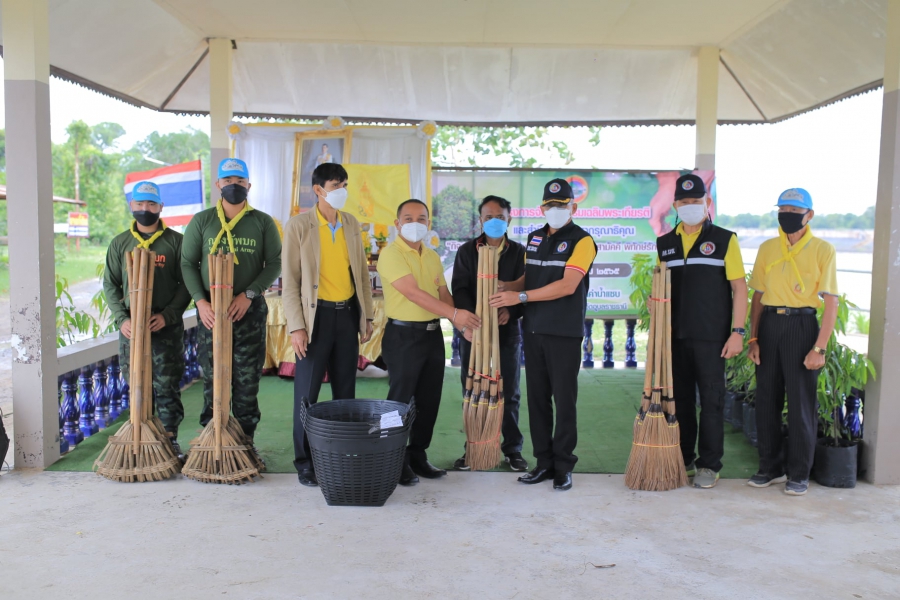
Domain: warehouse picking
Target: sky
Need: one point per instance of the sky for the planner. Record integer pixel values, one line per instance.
(832, 152)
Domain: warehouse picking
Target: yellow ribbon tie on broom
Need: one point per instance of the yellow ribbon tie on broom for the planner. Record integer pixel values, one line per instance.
(145, 244)
(227, 227)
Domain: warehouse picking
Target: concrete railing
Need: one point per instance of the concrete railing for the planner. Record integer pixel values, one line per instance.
(93, 391)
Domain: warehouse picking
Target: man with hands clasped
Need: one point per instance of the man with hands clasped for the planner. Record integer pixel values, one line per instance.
(327, 300)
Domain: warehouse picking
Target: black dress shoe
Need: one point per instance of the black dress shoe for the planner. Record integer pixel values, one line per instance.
(308, 478)
(562, 481)
(425, 469)
(407, 477)
(536, 475)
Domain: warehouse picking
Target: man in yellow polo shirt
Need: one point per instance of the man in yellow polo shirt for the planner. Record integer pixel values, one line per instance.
(793, 274)
(554, 290)
(415, 298)
(709, 309)
(327, 300)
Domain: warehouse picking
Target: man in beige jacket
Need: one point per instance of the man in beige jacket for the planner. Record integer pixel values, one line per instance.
(327, 300)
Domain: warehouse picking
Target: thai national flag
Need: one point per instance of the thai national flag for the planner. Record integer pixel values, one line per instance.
(180, 189)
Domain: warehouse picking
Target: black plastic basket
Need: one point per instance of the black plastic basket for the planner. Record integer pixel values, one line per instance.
(356, 463)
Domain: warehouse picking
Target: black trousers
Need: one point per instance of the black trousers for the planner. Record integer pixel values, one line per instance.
(784, 342)
(699, 364)
(551, 374)
(415, 362)
(510, 353)
(334, 347)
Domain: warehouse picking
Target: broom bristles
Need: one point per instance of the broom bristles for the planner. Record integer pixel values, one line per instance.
(238, 463)
(154, 461)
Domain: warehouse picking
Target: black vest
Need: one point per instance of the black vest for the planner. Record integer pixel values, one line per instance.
(701, 292)
(545, 262)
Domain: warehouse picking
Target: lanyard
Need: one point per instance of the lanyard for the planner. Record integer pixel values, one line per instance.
(787, 255)
(142, 243)
(227, 227)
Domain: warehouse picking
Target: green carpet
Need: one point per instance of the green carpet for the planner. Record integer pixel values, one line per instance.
(607, 402)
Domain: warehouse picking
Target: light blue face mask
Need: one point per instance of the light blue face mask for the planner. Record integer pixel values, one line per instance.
(495, 228)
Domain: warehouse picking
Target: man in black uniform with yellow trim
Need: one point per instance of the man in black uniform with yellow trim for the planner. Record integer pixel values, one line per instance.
(709, 309)
(554, 291)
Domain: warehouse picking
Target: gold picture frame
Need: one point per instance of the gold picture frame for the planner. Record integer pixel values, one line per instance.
(302, 196)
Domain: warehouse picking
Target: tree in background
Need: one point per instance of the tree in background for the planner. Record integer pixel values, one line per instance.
(455, 214)
(452, 145)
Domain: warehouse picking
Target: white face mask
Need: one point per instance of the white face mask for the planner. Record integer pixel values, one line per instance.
(692, 214)
(413, 232)
(558, 217)
(336, 198)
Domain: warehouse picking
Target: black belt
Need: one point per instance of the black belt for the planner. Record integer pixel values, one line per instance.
(787, 311)
(335, 305)
(427, 325)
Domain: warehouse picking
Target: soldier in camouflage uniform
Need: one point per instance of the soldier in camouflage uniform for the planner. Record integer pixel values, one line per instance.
(170, 299)
(234, 226)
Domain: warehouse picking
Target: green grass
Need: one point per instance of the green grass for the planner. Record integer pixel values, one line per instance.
(76, 266)
(607, 402)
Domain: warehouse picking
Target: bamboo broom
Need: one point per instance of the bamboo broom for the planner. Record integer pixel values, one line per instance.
(475, 361)
(222, 453)
(139, 451)
(493, 424)
(655, 463)
(467, 394)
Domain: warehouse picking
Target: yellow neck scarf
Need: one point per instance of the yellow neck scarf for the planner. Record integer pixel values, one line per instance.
(788, 254)
(142, 243)
(227, 227)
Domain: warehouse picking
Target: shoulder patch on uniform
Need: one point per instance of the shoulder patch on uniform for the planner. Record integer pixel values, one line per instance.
(562, 246)
(536, 240)
(668, 251)
(531, 249)
(707, 248)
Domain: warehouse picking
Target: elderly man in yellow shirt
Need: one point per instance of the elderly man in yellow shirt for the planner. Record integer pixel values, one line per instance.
(709, 309)
(793, 274)
(327, 300)
(415, 298)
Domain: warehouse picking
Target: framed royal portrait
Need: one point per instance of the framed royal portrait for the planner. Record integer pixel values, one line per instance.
(311, 149)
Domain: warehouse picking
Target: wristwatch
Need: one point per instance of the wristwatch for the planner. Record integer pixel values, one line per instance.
(819, 350)
(739, 330)
(523, 297)
(250, 294)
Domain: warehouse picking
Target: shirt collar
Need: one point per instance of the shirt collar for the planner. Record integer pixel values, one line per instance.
(406, 247)
(323, 221)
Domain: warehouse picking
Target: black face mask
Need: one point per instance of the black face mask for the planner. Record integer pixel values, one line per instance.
(791, 222)
(146, 217)
(234, 193)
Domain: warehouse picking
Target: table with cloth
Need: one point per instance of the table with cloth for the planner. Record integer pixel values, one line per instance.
(280, 359)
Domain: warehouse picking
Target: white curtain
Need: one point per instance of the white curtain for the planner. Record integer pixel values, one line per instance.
(269, 153)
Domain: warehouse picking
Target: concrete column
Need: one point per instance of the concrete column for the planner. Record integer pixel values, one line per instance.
(882, 407)
(221, 83)
(30, 210)
(707, 107)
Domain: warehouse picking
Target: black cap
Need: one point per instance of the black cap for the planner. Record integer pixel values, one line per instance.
(689, 186)
(557, 190)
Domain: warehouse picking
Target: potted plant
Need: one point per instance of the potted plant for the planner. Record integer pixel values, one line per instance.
(845, 370)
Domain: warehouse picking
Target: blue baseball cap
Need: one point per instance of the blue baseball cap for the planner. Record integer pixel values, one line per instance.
(145, 191)
(795, 197)
(233, 167)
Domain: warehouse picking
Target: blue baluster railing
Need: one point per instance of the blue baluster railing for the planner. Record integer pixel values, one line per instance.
(101, 396)
(86, 403)
(186, 355)
(63, 442)
(113, 389)
(851, 421)
(195, 353)
(71, 414)
(630, 345)
(588, 345)
(608, 347)
(455, 360)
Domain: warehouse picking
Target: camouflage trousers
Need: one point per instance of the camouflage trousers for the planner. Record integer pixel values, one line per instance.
(167, 350)
(248, 358)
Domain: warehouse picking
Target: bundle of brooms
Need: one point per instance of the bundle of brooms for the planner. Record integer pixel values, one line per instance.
(483, 396)
(656, 463)
(141, 450)
(222, 453)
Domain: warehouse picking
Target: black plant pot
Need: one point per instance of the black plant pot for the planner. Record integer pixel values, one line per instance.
(835, 466)
(737, 413)
(728, 407)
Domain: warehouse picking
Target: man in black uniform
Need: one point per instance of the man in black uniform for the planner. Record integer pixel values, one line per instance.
(709, 309)
(494, 215)
(558, 258)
